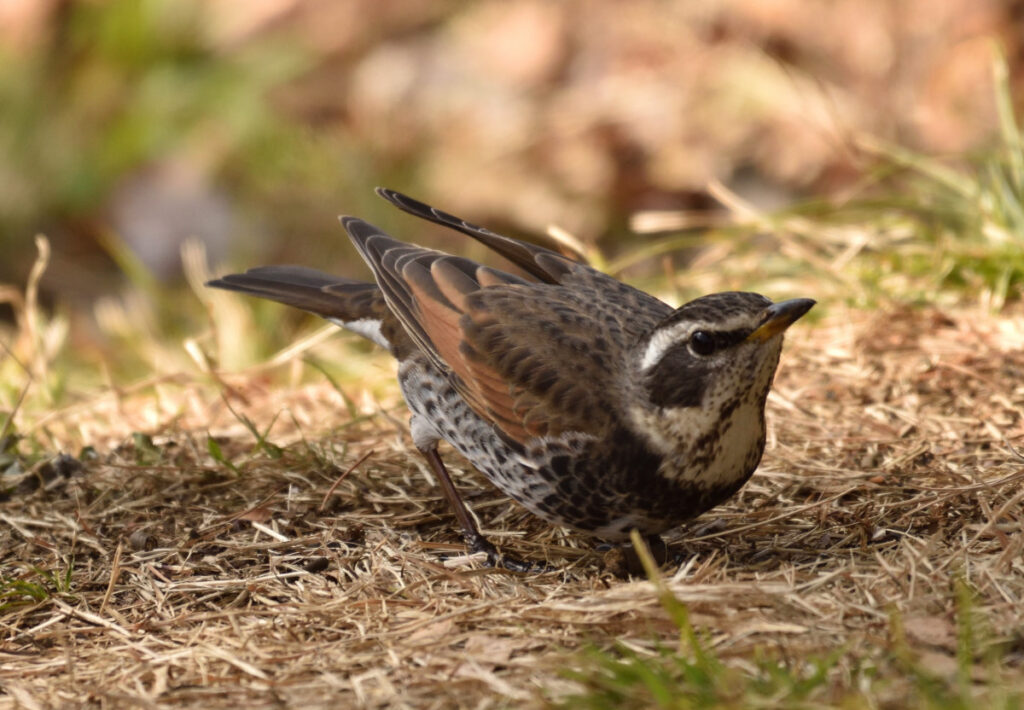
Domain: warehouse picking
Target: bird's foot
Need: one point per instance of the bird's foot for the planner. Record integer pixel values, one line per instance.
(624, 561)
(497, 560)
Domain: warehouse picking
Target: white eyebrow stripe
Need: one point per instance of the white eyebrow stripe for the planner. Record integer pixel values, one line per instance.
(661, 341)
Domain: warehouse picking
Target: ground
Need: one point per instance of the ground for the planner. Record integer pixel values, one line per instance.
(315, 564)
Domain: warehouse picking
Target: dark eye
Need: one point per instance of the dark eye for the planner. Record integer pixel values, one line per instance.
(702, 343)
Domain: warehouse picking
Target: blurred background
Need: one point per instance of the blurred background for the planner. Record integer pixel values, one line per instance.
(130, 126)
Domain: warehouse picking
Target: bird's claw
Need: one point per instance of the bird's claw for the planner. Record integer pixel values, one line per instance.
(497, 560)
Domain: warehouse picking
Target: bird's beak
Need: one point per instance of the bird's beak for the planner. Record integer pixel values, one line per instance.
(779, 316)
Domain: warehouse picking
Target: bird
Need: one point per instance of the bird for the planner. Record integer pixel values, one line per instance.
(596, 406)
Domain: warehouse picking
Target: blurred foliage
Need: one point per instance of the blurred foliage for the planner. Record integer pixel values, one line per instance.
(921, 228)
(257, 127)
(916, 228)
(970, 219)
(120, 85)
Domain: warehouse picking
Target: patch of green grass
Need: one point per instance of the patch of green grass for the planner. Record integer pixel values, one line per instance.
(38, 586)
(968, 219)
(917, 228)
(124, 83)
(623, 678)
(15, 593)
(940, 225)
(692, 676)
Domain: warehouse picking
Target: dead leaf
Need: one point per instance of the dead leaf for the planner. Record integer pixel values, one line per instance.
(930, 630)
(491, 650)
(431, 633)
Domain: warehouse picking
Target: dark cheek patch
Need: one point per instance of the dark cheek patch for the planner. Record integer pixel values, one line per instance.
(678, 380)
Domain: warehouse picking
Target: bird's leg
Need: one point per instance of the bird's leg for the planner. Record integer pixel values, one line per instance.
(475, 541)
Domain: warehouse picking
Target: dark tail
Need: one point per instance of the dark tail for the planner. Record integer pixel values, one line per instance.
(355, 305)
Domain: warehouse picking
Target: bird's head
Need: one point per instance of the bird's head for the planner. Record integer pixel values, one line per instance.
(710, 358)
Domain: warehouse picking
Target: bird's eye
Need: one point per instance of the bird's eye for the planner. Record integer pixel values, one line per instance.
(702, 343)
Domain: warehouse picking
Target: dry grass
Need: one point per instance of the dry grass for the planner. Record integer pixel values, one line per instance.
(163, 577)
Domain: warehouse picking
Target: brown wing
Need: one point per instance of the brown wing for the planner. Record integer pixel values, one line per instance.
(641, 311)
(560, 358)
(426, 290)
(514, 350)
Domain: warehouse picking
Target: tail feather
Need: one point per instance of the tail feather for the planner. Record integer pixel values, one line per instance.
(355, 305)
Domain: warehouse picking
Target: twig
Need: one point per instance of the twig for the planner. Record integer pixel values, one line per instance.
(330, 491)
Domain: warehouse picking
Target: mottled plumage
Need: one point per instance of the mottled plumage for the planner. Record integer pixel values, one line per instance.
(595, 405)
